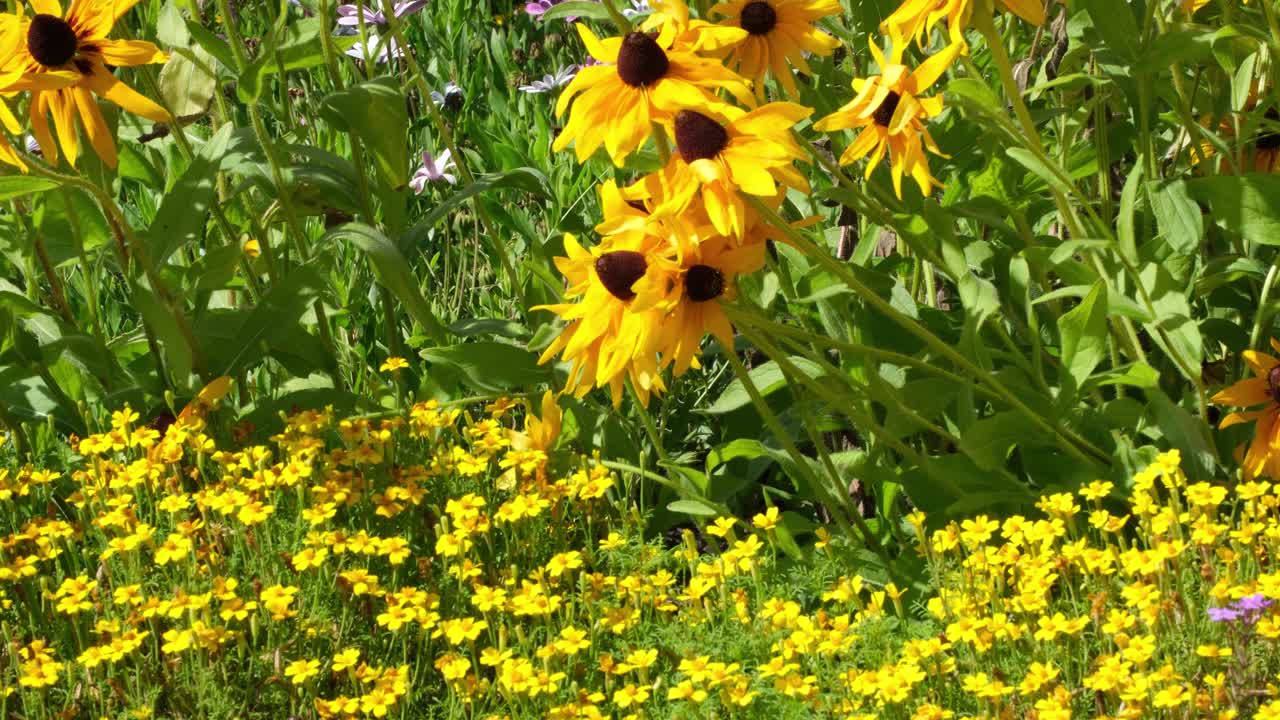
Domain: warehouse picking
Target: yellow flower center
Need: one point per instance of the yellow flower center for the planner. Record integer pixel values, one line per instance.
(703, 283)
(51, 41)
(619, 270)
(699, 137)
(758, 18)
(641, 61)
(884, 114)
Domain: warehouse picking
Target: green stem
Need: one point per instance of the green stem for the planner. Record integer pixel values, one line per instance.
(1256, 334)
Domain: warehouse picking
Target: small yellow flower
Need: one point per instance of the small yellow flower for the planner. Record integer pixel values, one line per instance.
(300, 671)
(394, 364)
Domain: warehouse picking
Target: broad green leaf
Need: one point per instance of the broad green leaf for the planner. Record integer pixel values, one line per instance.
(375, 112)
(1084, 335)
(578, 8)
(15, 186)
(492, 366)
(393, 273)
(212, 44)
(1244, 204)
(1178, 216)
(298, 48)
(282, 307)
(188, 82)
(173, 345)
(768, 378)
(185, 209)
(988, 441)
(27, 397)
(1186, 433)
(697, 508)
(1029, 161)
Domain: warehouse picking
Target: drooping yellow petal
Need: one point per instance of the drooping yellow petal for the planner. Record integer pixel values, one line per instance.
(95, 126)
(63, 108)
(102, 82)
(1248, 392)
(127, 53)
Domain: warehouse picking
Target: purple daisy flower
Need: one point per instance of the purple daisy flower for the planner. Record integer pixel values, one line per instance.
(433, 170)
(349, 15)
(551, 82)
(1226, 614)
(382, 49)
(1253, 603)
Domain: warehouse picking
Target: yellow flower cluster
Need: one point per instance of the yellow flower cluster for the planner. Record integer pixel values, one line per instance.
(400, 565)
(673, 243)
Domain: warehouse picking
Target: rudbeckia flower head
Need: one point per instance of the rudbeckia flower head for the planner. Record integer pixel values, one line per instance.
(1263, 454)
(723, 151)
(779, 33)
(642, 78)
(890, 113)
(914, 19)
(63, 60)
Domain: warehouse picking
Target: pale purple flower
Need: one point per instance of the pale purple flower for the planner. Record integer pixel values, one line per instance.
(432, 171)
(551, 82)
(33, 145)
(638, 8)
(349, 15)
(1226, 614)
(1253, 603)
(383, 49)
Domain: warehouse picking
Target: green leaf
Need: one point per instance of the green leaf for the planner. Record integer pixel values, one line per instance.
(1244, 204)
(185, 209)
(393, 273)
(987, 442)
(1029, 161)
(173, 345)
(188, 82)
(212, 44)
(1084, 335)
(1124, 223)
(768, 378)
(298, 49)
(15, 186)
(491, 366)
(375, 111)
(580, 8)
(697, 508)
(527, 179)
(282, 307)
(1185, 432)
(1177, 215)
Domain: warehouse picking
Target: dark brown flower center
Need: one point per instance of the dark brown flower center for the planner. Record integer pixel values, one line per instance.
(884, 114)
(1270, 139)
(758, 18)
(641, 62)
(619, 270)
(1273, 383)
(703, 283)
(699, 137)
(50, 40)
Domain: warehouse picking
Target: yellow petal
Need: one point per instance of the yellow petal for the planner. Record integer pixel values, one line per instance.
(102, 82)
(94, 125)
(127, 53)
(1245, 393)
(47, 7)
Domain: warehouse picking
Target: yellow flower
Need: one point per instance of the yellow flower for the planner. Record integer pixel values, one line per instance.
(393, 364)
(300, 671)
(916, 18)
(75, 46)
(720, 151)
(766, 520)
(175, 641)
(891, 115)
(1263, 455)
(630, 695)
(611, 337)
(779, 34)
(641, 79)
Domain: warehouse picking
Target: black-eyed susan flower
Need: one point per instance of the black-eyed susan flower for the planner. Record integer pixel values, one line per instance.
(1260, 153)
(706, 274)
(914, 19)
(615, 325)
(642, 78)
(720, 152)
(75, 45)
(779, 35)
(1263, 454)
(891, 115)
